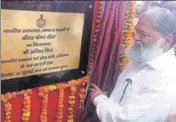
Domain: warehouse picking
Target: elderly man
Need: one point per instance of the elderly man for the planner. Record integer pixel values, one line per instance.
(146, 90)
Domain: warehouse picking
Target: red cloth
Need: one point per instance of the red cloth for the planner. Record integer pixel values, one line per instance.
(17, 105)
(114, 52)
(92, 43)
(107, 53)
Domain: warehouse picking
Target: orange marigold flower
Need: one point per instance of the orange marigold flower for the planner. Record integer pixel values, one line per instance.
(71, 97)
(29, 91)
(73, 88)
(82, 90)
(14, 94)
(7, 117)
(70, 116)
(8, 113)
(71, 102)
(7, 96)
(59, 117)
(69, 120)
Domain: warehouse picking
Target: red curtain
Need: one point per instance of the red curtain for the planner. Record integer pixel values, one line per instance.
(17, 106)
(107, 52)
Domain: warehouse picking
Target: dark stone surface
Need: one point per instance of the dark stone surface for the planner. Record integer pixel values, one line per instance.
(54, 6)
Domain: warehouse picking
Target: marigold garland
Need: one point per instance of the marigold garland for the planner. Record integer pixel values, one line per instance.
(71, 101)
(7, 106)
(60, 106)
(127, 33)
(82, 96)
(26, 106)
(44, 92)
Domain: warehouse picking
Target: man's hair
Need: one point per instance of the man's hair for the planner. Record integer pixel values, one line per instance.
(162, 3)
(155, 4)
(163, 20)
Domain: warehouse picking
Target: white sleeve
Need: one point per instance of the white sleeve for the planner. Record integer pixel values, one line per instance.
(147, 105)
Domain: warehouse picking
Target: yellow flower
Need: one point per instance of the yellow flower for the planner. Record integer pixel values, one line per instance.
(26, 114)
(7, 96)
(73, 88)
(8, 113)
(7, 117)
(69, 120)
(50, 87)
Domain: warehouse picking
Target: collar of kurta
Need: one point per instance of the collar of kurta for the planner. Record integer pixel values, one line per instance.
(166, 63)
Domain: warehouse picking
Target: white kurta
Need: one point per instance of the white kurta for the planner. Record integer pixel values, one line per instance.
(144, 93)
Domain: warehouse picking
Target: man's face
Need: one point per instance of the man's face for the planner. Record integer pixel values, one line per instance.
(147, 45)
(145, 33)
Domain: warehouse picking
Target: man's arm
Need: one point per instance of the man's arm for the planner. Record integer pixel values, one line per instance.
(148, 105)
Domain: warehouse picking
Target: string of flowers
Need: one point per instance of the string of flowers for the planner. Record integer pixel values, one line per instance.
(71, 101)
(7, 106)
(127, 33)
(26, 105)
(82, 92)
(60, 106)
(82, 96)
(44, 92)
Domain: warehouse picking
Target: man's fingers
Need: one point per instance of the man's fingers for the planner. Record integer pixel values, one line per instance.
(94, 86)
(92, 96)
(91, 89)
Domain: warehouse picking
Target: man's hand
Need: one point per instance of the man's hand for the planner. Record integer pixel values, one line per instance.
(172, 118)
(95, 91)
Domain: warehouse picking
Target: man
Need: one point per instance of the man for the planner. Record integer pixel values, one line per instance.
(146, 90)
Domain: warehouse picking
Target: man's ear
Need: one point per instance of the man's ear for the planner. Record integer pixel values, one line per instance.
(168, 41)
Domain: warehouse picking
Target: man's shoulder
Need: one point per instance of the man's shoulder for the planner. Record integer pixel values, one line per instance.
(159, 82)
(165, 64)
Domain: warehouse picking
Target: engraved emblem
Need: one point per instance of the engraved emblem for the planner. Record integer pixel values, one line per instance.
(41, 22)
